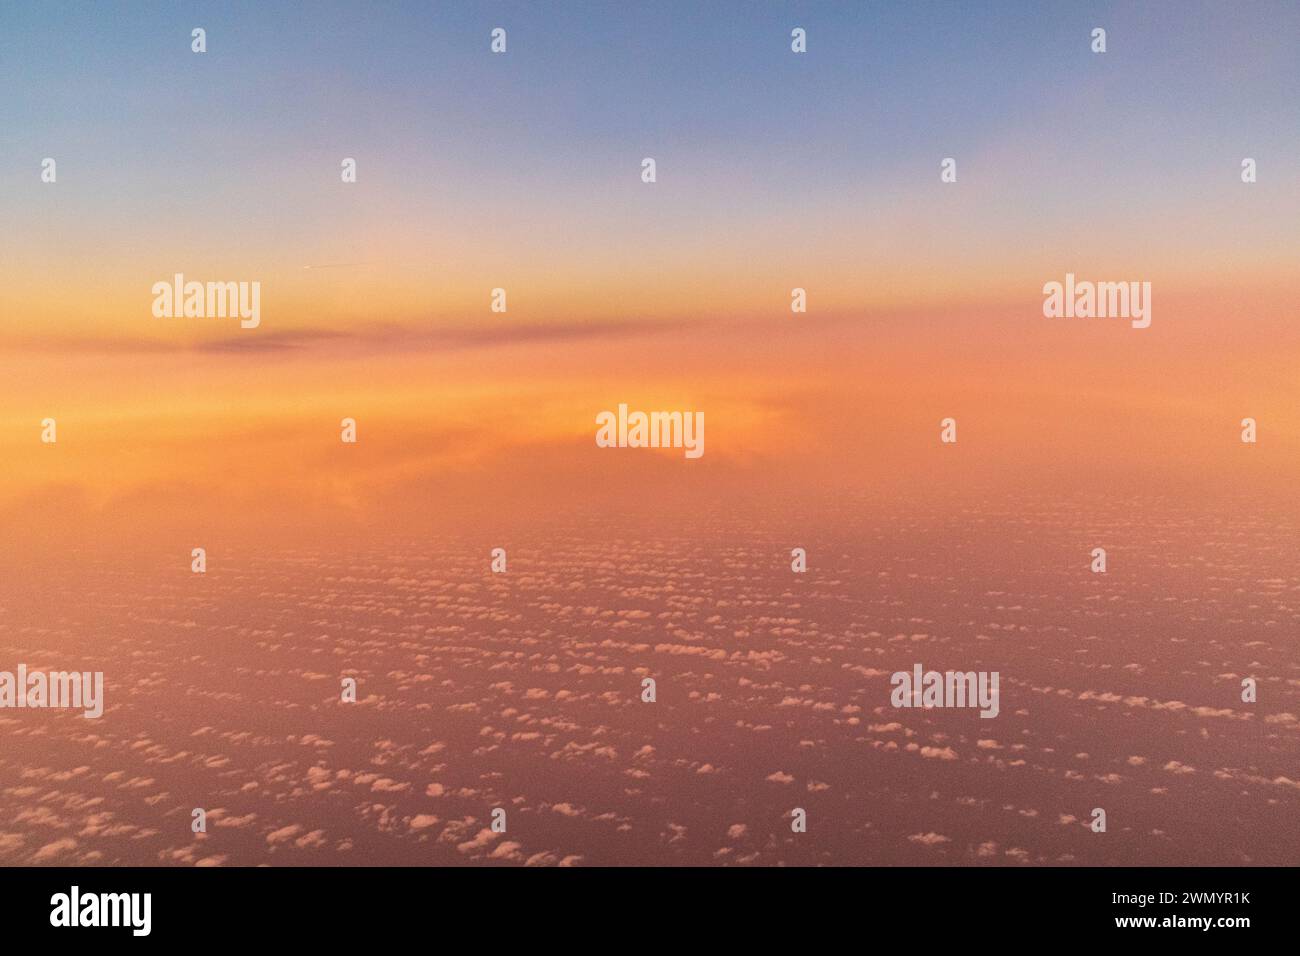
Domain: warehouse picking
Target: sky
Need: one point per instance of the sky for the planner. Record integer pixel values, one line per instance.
(522, 171)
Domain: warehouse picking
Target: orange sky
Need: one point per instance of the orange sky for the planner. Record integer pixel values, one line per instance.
(775, 171)
(226, 434)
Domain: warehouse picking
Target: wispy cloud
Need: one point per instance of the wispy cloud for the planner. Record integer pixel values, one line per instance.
(371, 339)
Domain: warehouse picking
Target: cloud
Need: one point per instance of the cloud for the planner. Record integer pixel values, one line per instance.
(283, 834)
(57, 848)
(375, 338)
(929, 839)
